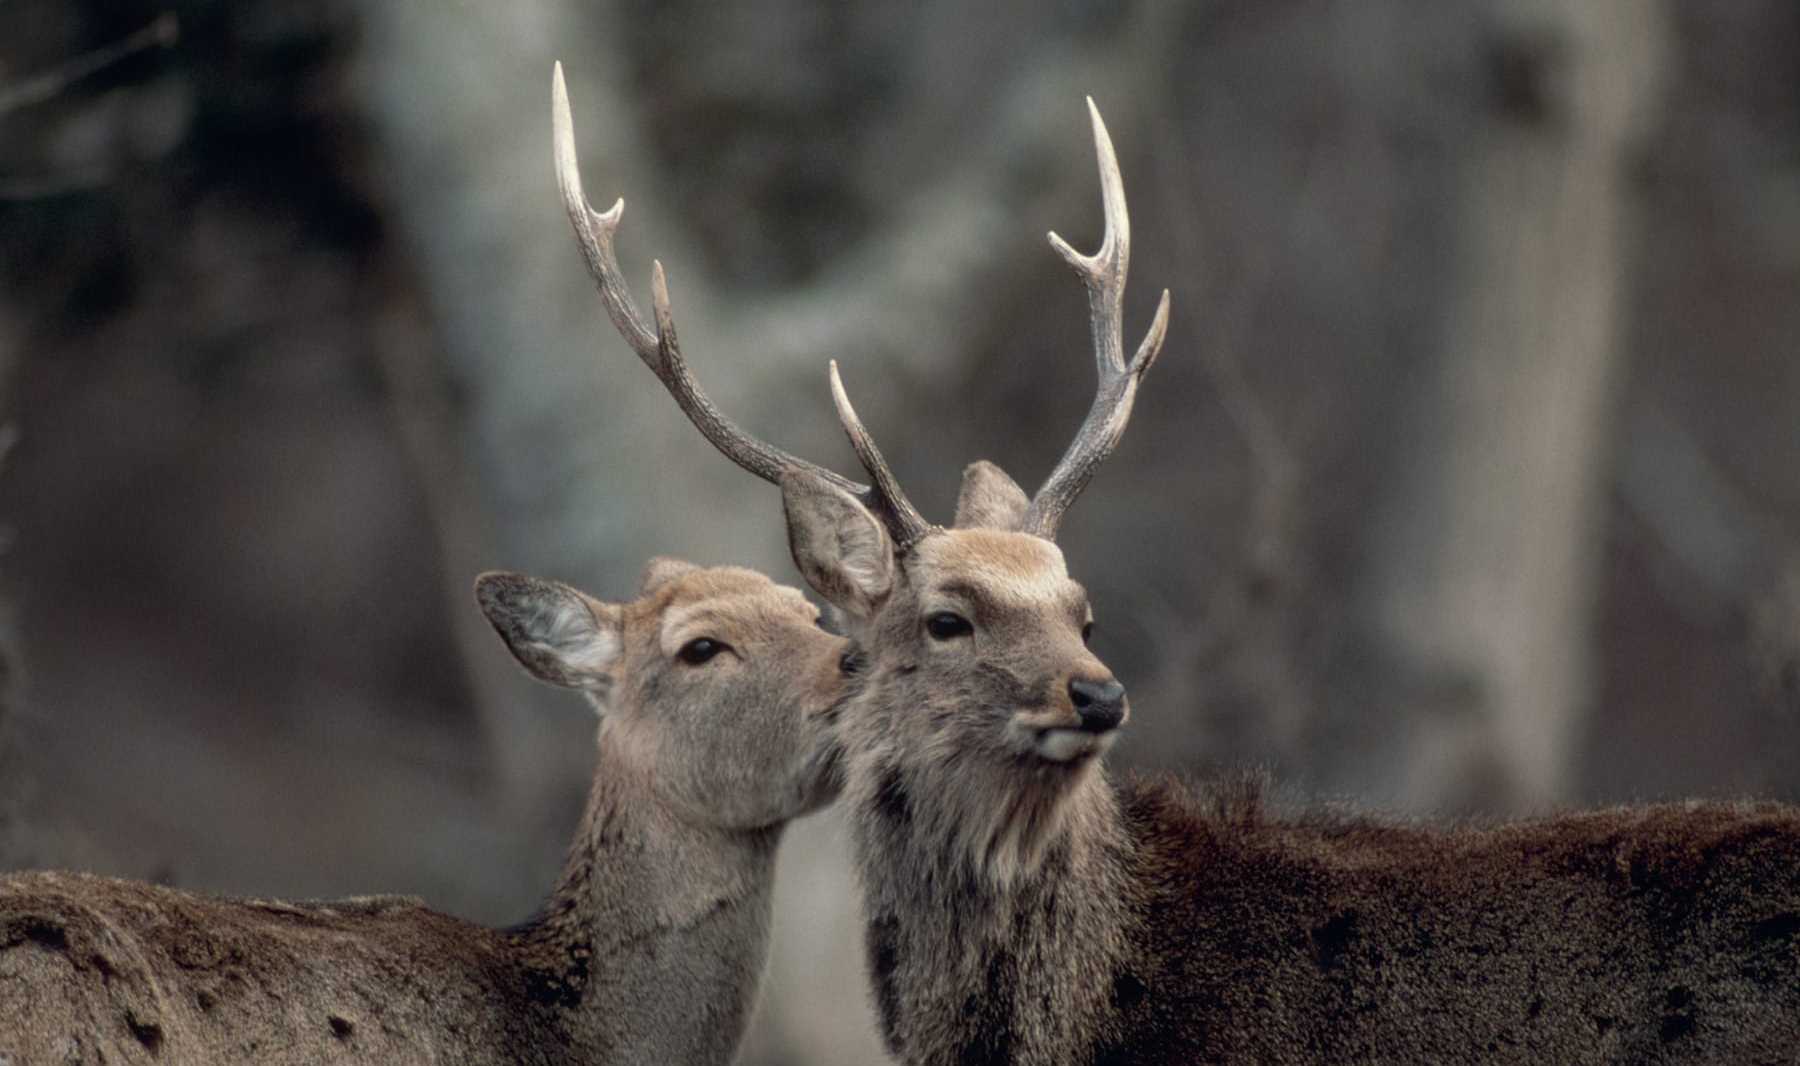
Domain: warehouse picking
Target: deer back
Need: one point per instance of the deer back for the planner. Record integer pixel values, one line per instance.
(1668, 933)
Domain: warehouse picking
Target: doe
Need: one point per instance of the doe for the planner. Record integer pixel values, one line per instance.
(716, 690)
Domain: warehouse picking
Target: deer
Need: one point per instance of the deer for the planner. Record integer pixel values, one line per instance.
(1022, 906)
(717, 693)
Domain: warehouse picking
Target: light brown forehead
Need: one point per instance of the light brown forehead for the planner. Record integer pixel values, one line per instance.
(729, 596)
(1006, 567)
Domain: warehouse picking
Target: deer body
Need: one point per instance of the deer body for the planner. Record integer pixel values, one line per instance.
(717, 691)
(1161, 927)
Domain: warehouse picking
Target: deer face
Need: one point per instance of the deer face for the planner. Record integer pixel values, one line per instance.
(994, 619)
(979, 691)
(978, 629)
(717, 686)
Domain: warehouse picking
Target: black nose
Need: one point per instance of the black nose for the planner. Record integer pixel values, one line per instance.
(1101, 705)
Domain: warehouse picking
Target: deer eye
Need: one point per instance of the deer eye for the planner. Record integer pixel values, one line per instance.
(1087, 631)
(699, 650)
(946, 625)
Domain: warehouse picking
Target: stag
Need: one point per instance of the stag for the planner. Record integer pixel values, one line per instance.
(1022, 907)
(716, 690)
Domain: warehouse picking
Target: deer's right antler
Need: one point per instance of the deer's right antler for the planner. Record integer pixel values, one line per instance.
(661, 351)
(1104, 275)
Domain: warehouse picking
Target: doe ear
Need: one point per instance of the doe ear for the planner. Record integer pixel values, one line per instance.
(840, 547)
(661, 570)
(990, 499)
(559, 634)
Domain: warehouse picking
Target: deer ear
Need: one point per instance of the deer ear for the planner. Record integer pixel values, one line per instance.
(661, 570)
(989, 499)
(840, 547)
(559, 634)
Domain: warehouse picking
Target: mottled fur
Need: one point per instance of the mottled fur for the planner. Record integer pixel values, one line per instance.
(649, 949)
(1025, 910)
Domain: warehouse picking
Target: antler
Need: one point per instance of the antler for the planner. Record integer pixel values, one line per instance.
(661, 351)
(903, 520)
(1104, 275)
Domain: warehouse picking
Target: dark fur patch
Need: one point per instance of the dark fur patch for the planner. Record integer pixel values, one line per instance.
(988, 1018)
(149, 1034)
(892, 802)
(882, 942)
(1326, 943)
(340, 1027)
(1678, 1014)
(1127, 991)
(558, 988)
(39, 931)
(1780, 927)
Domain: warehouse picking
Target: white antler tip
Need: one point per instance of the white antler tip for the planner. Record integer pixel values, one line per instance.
(841, 399)
(1153, 340)
(1102, 139)
(562, 137)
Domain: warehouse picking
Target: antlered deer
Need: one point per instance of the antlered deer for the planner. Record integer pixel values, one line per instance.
(716, 690)
(1023, 908)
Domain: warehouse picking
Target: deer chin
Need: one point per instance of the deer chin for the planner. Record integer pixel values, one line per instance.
(1071, 745)
(1067, 745)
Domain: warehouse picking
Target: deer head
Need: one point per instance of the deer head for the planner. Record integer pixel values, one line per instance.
(718, 684)
(972, 639)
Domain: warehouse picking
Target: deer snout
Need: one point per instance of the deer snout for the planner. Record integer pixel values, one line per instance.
(1100, 705)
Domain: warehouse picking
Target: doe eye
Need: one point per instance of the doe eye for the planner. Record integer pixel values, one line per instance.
(699, 650)
(1087, 631)
(946, 625)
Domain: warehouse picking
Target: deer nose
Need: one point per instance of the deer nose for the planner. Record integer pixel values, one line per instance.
(1099, 704)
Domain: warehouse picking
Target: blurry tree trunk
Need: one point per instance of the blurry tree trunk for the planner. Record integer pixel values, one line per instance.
(14, 781)
(1480, 575)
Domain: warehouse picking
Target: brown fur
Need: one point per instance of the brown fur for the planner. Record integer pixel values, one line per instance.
(1027, 911)
(649, 949)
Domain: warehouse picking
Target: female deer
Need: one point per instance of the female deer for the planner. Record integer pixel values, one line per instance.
(716, 691)
(1023, 909)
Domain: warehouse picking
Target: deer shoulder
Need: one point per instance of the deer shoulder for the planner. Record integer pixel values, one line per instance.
(716, 692)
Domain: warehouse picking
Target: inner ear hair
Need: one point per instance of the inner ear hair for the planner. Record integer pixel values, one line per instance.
(837, 544)
(559, 634)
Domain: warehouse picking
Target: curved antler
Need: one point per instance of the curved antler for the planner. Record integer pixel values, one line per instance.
(1104, 275)
(661, 351)
(658, 348)
(903, 519)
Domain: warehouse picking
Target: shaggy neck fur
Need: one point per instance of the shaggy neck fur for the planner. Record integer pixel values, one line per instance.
(993, 932)
(654, 938)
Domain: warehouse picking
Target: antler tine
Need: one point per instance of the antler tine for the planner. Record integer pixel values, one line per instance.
(902, 518)
(658, 348)
(1104, 275)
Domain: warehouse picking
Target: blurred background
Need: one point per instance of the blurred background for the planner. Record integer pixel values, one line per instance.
(1468, 482)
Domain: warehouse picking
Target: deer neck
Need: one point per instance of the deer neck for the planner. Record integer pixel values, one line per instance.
(653, 941)
(1032, 951)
